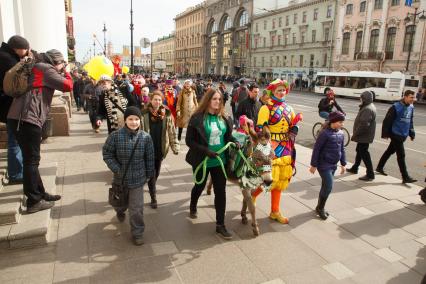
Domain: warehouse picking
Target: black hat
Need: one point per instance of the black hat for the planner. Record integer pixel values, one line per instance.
(132, 110)
(18, 42)
(336, 116)
(55, 56)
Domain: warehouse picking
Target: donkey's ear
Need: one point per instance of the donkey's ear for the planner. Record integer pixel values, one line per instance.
(253, 135)
(266, 132)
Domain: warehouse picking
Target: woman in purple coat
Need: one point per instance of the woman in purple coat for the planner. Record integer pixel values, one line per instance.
(328, 151)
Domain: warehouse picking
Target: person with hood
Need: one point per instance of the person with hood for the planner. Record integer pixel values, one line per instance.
(47, 76)
(186, 106)
(327, 104)
(363, 133)
(11, 53)
(398, 125)
(158, 122)
(116, 154)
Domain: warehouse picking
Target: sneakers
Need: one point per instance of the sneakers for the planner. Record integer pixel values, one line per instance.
(193, 214)
(352, 170)
(15, 181)
(39, 206)
(121, 216)
(366, 178)
(381, 171)
(223, 232)
(322, 213)
(408, 180)
(278, 217)
(138, 241)
(50, 197)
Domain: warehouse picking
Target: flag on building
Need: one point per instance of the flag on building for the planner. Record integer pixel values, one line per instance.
(408, 3)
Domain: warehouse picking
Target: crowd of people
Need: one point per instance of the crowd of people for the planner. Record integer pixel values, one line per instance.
(146, 116)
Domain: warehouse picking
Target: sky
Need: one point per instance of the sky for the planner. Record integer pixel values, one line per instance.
(151, 19)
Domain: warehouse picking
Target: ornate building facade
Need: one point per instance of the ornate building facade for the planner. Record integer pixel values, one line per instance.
(189, 40)
(377, 36)
(226, 38)
(164, 49)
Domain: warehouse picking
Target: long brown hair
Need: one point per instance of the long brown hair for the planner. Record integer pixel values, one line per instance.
(203, 107)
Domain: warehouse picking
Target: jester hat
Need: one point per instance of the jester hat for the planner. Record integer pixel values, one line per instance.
(275, 84)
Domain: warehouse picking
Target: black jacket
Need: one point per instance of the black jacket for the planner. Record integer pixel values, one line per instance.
(196, 139)
(325, 106)
(8, 59)
(250, 108)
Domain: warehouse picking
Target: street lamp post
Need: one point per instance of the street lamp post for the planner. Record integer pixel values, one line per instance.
(131, 36)
(104, 30)
(407, 20)
(94, 47)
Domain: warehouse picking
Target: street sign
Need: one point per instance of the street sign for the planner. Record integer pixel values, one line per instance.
(160, 64)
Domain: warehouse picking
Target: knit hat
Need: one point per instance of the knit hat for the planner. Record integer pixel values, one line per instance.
(55, 56)
(18, 42)
(132, 110)
(169, 82)
(336, 116)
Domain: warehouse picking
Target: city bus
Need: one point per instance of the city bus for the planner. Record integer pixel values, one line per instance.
(385, 87)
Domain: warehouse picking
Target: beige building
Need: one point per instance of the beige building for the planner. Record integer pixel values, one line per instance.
(189, 40)
(164, 50)
(376, 35)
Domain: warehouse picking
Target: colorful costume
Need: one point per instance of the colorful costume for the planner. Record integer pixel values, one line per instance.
(282, 121)
(170, 98)
(116, 59)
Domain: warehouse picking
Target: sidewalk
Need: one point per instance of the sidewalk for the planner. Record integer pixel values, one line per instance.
(376, 232)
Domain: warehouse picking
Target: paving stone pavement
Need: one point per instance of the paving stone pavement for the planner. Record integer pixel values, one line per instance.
(376, 232)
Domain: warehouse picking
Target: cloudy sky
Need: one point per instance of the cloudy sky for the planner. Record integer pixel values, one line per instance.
(151, 19)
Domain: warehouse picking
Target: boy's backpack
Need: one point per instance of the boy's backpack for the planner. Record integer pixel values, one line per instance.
(16, 81)
(235, 165)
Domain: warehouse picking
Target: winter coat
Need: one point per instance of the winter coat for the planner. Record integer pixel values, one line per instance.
(196, 139)
(248, 107)
(34, 106)
(8, 59)
(365, 121)
(185, 107)
(116, 154)
(169, 139)
(329, 150)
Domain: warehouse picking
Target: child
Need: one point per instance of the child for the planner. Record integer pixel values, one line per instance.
(328, 151)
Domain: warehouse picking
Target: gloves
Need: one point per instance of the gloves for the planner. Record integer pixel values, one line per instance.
(211, 154)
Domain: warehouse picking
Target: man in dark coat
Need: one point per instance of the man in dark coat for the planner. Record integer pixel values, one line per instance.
(11, 53)
(363, 134)
(250, 106)
(398, 125)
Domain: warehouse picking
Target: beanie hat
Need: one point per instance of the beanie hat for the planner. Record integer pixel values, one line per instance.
(169, 82)
(336, 116)
(18, 42)
(55, 56)
(132, 110)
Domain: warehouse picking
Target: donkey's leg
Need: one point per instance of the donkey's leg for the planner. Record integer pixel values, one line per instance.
(244, 210)
(252, 209)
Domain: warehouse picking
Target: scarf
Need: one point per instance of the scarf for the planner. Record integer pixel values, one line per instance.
(157, 115)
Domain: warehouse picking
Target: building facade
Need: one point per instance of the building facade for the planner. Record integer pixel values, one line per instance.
(190, 27)
(293, 42)
(69, 23)
(141, 62)
(376, 36)
(226, 39)
(164, 49)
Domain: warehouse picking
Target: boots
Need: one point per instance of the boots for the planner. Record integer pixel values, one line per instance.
(153, 195)
(320, 208)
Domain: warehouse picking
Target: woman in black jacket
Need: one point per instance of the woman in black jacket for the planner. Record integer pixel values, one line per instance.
(209, 130)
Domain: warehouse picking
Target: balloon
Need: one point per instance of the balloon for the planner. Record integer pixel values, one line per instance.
(125, 69)
(98, 66)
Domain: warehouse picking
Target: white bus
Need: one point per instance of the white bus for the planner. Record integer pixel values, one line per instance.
(386, 87)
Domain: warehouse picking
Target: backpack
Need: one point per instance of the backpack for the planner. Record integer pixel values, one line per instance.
(235, 165)
(16, 81)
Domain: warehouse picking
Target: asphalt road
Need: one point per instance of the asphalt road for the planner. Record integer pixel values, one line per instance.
(415, 151)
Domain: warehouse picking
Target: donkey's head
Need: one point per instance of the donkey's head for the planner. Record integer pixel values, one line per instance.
(263, 154)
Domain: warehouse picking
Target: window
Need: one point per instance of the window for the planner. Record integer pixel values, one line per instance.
(264, 42)
(300, 60)
(302, 37)
(345, 43)
(294, 38)
(395, 2)
(287, 20)
(263, 61)
(292, 59)
(257, 27)
(254, 61)
(378, 4)
(390, 42)
(280, 22)
(304, 17)
(326, 34)
(311, 62)
(286, 36)
(329, 10)
(244, 18)
(358, 42)
(295, 19)
(325, 60)
(271, 61)
(374, 40)
(227, 24)
(265, 25)
(273, 24)
(315, 14)
(314, 36)
(272, 40)
(349, 9)
(279, 40)
(409, 37)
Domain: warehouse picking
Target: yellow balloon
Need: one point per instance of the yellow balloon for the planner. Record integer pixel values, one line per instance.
(98, 66)
(125, 69)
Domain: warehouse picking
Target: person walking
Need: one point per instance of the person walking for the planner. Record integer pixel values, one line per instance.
(11, 53)
(398, 125)
(250, 106)
(363, 133)
(117, 155)
(158, 122)
(209, 130)
(185, 107)
(328, 151)
(47, 76)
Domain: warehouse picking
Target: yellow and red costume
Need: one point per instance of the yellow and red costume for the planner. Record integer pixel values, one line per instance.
(282, 121)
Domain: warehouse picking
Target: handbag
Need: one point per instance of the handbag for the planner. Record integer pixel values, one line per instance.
(118, 195)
